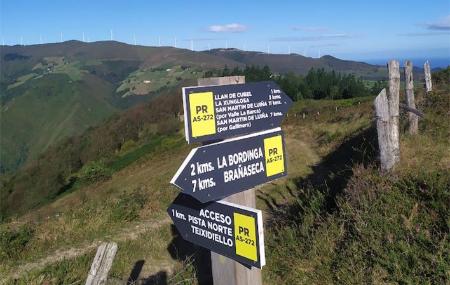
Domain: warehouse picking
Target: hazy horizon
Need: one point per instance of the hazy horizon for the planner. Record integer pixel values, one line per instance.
(435, 62)
(350, 30)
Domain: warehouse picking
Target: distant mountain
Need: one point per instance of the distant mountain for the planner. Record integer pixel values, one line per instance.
(283, 63)
(52, 91)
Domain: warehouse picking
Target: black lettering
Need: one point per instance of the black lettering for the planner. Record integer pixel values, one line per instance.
(273, 151)
(201, 108)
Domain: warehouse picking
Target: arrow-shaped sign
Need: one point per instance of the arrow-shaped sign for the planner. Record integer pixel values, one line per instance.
(224, 111)
(228, 229)
(217, 170)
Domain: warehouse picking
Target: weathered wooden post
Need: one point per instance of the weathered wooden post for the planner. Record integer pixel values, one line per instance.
(225, 270)
(412, 118)
(102, 264)
(384, 132)
(427, 70)
(393, 101)
(387, 115)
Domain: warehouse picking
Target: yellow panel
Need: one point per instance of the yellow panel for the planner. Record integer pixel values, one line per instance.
(203, 121)
(273, 152)
(245, 236)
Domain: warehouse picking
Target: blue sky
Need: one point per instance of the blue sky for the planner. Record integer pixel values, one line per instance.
(350, 29)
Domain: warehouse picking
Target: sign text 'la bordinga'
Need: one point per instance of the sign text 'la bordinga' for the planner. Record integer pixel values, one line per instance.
(217, 170)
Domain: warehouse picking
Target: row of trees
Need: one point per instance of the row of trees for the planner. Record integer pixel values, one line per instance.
(317, 84)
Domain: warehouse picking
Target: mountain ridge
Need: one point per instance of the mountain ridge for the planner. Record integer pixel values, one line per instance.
(126, 75)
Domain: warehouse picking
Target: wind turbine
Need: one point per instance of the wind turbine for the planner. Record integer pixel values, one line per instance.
(319, 52)
(268, 49)
(61, 37)
(159, 41)
(40, 39)
(192, 45)
(175, 42)
(21, 40)
(289, 50)
(111, 33)
(209, 47)
(83, 36)
(226, 44)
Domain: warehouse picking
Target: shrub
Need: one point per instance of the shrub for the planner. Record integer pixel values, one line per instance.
(127, 146)
(13, 242)
(168, 126)
(128, 206)
(93, 172)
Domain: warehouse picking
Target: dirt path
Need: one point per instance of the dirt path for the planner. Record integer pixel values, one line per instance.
(129, 233)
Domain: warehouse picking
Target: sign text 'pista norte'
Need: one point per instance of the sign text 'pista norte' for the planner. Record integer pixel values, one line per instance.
(228, 229)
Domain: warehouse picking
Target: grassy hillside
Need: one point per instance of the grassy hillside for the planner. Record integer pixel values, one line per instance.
(84, 83)
(47, 110)
(334, 220)
(52, 91)
(92, 156)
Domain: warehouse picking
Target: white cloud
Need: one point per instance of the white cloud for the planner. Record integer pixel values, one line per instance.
(228, 28)
(310, 29)
(442, 25)
(312, 38)
(425, 34)
(205, 39)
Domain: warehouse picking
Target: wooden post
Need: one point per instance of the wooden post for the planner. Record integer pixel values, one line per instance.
(393, 101)
(412, 118)
(427, 70)
(384, 131)
(226, 271)
(102, 264)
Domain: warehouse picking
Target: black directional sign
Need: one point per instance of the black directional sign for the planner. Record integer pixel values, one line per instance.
(217, 170)
(228, 229)
(224, 111)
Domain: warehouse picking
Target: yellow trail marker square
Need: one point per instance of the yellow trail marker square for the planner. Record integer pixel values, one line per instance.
(245, 236)
(273, 152)
(203, 121)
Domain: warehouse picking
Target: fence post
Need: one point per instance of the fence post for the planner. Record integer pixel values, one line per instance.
(412, 118)
(226, 271)
(427, 70)
(393, 101)
(102, 264)
(384, 131)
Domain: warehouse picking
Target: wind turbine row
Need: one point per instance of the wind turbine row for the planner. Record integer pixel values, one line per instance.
(175, 43)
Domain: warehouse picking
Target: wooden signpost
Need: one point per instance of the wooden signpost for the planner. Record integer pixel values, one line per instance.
(248, 117)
